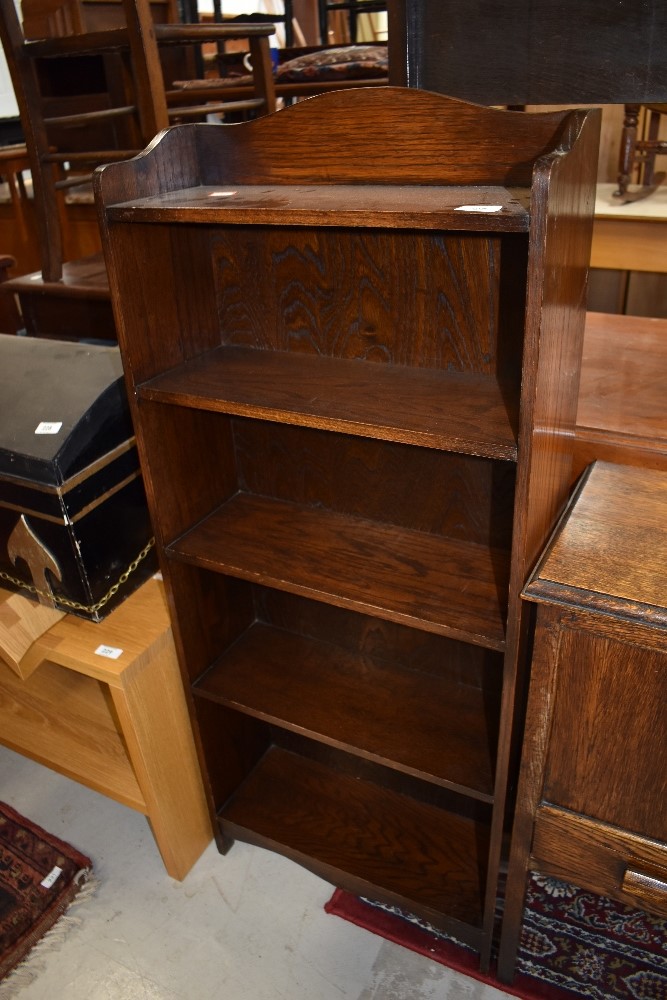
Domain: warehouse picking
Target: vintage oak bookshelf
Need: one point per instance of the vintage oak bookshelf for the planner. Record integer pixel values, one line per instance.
(351, 332)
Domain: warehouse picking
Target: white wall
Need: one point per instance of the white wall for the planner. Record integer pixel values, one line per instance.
(8, 106)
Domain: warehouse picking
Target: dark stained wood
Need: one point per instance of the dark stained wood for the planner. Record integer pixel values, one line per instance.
(421, 724)
(604, 859)
(353, 832)
(380, 640)
(621, 409)
(629, 566)
(592, 799)
(438, 584)
(591, 775)
(417, 406)
(10, 321)
(423, 207)
(354, 406)
(531, 51)
(461, 499)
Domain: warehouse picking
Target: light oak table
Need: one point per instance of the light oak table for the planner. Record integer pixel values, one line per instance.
(103, 703)
(631, 237)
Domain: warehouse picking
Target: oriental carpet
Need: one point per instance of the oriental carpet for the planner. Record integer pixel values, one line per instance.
(40, 878)
(574, 944)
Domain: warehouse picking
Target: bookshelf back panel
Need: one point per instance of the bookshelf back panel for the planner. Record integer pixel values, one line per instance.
(463, 497)
(460, 662)
(401, 297)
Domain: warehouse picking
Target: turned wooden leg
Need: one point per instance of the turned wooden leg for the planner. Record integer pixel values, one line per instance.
(627, 152)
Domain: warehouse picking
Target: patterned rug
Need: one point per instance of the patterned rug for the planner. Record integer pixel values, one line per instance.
(573, 944)
(40, 878)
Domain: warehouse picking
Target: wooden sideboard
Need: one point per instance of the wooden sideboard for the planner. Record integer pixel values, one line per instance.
(592, 799)
(102, 703)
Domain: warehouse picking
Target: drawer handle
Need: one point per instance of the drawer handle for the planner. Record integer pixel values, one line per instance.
(644, 883)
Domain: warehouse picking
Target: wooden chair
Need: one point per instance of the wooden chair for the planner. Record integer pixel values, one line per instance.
(301, 71)
(638, 152)
(306, 70)
(354, 10)
(286, 18)
(125, 104)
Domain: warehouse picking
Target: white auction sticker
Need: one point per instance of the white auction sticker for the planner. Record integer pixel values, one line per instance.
(52, 877)
(478, 208)
(48, 428)
(109, 651)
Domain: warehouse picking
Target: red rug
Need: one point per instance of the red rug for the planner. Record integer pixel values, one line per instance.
(573, 944)
(40, 876)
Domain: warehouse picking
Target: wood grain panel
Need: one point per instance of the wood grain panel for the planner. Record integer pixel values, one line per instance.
(354, 293)
(467, 498)
(591, 766)
(629, 563)
(366, 635)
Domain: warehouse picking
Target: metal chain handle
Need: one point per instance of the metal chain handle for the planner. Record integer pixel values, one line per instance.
(75, 605)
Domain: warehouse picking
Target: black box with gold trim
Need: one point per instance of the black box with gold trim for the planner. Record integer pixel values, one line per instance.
(73, 514)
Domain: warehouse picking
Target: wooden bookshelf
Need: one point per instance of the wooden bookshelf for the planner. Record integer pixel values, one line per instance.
(354, 382)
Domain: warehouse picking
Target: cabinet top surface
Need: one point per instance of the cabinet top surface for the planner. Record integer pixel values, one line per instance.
(610, 550)
(477, 208)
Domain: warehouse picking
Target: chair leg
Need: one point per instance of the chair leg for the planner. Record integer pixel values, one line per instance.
(651, 150)
(352, 21)
(628, 145)
(323, 18)
(10, 319)
(289, 23)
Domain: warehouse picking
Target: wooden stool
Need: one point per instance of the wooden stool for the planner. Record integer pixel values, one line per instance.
(103, 703)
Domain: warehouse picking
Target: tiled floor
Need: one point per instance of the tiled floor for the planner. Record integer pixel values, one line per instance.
(247, 926)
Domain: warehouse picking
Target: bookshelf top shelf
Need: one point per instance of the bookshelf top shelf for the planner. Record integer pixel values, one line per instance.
(393, 206)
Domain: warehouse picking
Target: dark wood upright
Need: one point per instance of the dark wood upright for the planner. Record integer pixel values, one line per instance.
(352, 334)
(592, 803)
(531, 51)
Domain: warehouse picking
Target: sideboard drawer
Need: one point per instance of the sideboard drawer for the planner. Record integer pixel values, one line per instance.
(604, 859)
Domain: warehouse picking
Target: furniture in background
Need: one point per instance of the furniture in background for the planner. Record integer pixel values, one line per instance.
(126, 105)
(531, 51)
(621, 410)
(354, 9)
(286, 18)
(639, 152)
(14, 165)
(592, 800)
(629, 254)
(630, 237)
(330, 357)
(10, 321)
(306, 71)
(103, 704)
